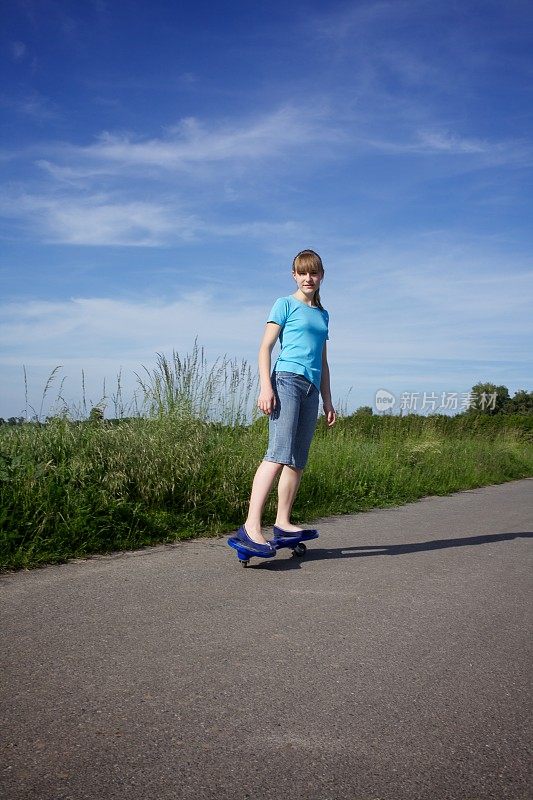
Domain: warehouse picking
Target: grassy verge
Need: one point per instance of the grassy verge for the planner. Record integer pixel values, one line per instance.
(69, 489)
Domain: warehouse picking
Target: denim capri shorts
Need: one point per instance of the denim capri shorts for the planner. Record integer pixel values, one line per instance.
(292, 422)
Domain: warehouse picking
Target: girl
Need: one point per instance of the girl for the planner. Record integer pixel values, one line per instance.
(290, 396)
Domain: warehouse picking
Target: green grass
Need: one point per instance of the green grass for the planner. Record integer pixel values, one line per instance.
(70, 488)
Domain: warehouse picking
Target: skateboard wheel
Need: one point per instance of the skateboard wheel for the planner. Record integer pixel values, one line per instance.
(244, 562)
(300, 549)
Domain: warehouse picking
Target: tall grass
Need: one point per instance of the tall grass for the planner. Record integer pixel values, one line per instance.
(183, 465)
(185, 388)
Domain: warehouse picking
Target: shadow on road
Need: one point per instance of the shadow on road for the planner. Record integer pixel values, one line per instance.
(362, 550)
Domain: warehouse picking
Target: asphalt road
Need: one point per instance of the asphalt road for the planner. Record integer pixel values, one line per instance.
(391, 663)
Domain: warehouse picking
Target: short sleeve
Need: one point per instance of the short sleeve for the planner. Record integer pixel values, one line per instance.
(327, 323)
(279, 312)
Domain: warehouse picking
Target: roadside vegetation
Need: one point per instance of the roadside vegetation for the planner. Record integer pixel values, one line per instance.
(182, 465)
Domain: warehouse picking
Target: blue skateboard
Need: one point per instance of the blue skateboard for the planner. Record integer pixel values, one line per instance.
(281, 539)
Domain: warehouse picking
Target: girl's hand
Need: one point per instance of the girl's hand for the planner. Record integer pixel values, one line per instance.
(266, 401)
(330, 414)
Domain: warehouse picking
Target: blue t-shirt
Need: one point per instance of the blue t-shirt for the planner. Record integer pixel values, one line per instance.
(304, 329)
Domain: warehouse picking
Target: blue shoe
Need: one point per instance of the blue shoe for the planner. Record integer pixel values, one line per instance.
(261, 549)
(302, 536)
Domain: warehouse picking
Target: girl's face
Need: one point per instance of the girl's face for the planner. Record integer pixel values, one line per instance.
(308, 282)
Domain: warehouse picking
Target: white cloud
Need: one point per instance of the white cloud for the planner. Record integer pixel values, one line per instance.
(74, 175)
(114, 328)
(190, 142)
(191, 147)
(438, 141)
(481, 153)
(107, 224)
(91, 195)
(123, 190)
(97, 220)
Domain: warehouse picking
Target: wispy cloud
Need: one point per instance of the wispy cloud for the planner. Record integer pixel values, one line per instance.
(202, 152)
(34, 105)
(445, 142)
(339, 23)
(98, 220)
(481, 152)
(91, 194)
(193, 146)
(191, 142)
(412, 70)
(120, 327)
(101, 220)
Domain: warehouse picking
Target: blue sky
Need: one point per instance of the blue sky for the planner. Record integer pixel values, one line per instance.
(163, 162)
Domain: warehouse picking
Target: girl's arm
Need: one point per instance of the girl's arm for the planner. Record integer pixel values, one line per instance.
(325, 389)
(267, 399)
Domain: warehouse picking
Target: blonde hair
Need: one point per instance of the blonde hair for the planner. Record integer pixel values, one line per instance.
(309, 261)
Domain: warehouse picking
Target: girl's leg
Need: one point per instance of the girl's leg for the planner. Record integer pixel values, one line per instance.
(287, 487)
(282, 426)
(292, 475)
(262, 484)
